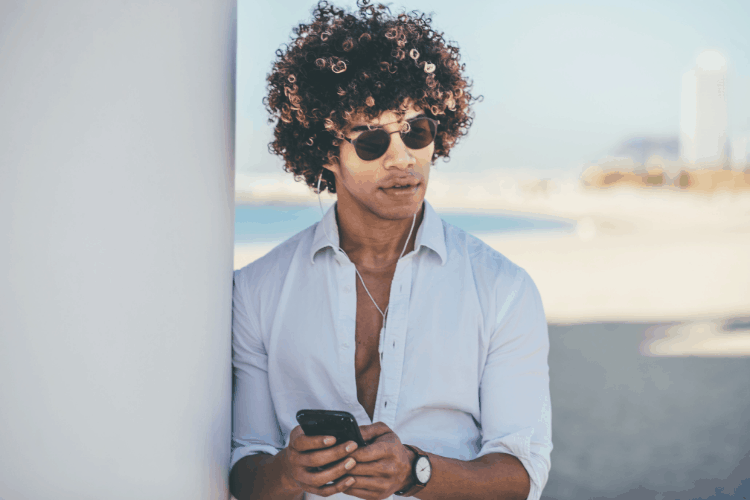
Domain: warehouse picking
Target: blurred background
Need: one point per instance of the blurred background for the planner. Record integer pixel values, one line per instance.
(610, 159)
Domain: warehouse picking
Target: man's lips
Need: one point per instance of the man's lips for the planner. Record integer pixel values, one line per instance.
(405, 187)
(404, 192)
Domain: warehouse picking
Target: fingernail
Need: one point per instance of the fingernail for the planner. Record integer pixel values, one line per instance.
(329, 440)
(351, 447)
(350, 481)
(349, 464)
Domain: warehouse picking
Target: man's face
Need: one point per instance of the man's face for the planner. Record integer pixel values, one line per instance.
(367, 183)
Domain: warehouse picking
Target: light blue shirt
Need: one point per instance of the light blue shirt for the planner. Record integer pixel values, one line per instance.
(464, 370)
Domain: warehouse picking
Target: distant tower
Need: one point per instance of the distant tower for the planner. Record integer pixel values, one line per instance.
(703, 124)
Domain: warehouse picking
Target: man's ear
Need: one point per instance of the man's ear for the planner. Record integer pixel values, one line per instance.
(333, 167)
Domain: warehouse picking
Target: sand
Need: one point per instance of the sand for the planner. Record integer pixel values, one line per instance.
(623, 422)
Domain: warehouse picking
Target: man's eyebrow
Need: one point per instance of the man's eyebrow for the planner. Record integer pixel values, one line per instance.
(362, 128)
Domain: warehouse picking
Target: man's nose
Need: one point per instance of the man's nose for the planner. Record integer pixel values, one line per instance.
(398, 155)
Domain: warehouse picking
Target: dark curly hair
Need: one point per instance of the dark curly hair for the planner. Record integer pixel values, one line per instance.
(342, 65)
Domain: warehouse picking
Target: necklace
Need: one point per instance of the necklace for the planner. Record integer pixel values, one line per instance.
(381, 342)
(383, 314)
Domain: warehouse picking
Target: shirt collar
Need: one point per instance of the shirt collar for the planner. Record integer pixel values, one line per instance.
(430, 233)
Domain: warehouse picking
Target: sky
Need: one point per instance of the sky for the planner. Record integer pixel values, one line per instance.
(563, 82)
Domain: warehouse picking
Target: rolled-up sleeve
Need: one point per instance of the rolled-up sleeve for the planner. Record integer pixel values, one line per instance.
(514, 391)
(255, 428)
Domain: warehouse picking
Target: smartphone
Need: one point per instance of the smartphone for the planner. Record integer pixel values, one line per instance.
(340, 424)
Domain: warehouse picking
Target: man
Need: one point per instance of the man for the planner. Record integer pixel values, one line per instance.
(436, 343)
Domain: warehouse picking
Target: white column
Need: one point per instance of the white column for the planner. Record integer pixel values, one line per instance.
(116, 235)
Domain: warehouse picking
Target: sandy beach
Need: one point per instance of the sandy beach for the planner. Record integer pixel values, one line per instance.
(631, 427)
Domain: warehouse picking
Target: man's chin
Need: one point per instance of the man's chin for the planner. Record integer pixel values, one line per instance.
(401, 211)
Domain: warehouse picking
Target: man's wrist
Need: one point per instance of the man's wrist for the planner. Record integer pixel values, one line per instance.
(263, 475)
(287, 481)
(412, 454)
(409, 482)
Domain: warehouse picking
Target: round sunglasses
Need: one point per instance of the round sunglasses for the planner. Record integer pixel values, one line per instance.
(372, 144)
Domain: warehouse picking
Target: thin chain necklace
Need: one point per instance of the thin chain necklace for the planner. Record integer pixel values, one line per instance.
(383, 314)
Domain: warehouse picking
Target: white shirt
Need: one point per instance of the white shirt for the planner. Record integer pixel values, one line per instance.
(464, 370)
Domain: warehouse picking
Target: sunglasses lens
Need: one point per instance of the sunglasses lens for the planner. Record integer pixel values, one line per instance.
(372, 144)
(421, 134)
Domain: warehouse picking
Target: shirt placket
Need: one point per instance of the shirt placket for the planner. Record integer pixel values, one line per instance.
(391, 365)
(346, 323)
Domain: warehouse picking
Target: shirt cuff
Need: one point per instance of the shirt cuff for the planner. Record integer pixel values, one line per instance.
(242, 451)
(518, 444)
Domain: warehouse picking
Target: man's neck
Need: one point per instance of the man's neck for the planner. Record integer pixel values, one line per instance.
(372, 242)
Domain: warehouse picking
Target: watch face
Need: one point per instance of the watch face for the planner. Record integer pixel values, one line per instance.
(423, 470)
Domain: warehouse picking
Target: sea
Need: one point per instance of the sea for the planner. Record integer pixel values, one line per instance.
(262, 224)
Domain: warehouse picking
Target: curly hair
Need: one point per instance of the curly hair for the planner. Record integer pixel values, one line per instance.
(344, 65)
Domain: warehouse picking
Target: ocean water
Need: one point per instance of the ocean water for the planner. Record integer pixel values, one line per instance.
(256, 224)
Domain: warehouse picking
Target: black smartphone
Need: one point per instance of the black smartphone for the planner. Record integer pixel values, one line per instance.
(340, 424)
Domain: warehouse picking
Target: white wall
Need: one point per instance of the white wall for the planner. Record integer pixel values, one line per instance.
(116, 235)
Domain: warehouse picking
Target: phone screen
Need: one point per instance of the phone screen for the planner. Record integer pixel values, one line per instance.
(340, 424)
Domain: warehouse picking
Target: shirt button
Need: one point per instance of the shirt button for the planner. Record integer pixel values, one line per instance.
(347, 289)
(345, 345)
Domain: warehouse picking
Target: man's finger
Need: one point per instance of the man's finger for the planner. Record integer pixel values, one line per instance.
(340, 485)
(370, 487)
(321, 458)
(370, 453)
(369, 469)
(304, 443)
(295, 432)
(320, 479)
(372, 431)
(359, 492)
(366, 486)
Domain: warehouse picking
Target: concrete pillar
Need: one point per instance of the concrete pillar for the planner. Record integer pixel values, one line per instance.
(116, 235)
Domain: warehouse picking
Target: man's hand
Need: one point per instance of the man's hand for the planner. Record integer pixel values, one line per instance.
(305, 453)
(383, 467)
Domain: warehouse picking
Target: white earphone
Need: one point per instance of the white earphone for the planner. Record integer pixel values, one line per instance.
(414, 220)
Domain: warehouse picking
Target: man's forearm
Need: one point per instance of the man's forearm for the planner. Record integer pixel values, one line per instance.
(261, 477)
(495, 476)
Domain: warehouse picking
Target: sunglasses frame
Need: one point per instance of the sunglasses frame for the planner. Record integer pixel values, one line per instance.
(353, 142)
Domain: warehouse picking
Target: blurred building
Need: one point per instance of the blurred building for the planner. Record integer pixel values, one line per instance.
(703, 121)
(701, 159)
(640, 149)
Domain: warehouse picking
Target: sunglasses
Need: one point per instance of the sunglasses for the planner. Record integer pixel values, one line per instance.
(372, 144)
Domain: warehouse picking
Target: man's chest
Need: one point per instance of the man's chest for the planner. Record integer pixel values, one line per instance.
(372, 302)
(372, 299)
(323, 342)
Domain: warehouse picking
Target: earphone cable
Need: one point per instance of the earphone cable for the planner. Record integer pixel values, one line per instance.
(383, 314)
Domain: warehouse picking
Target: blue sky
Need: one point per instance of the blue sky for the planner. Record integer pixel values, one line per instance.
(563, 82)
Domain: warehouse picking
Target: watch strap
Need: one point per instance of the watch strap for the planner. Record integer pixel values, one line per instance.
(416, 485)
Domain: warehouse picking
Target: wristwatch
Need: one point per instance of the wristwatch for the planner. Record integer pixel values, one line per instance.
(421, 470)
